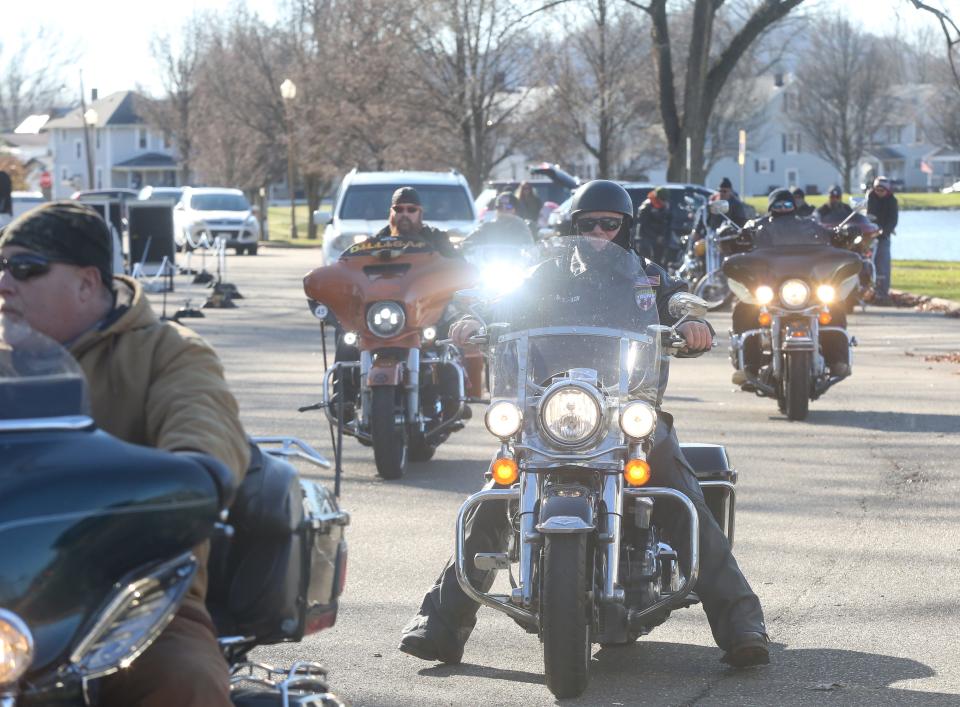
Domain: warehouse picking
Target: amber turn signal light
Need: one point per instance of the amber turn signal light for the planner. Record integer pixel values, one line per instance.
(636, 472)
(764, 319)
(505, 471)
(825, 317)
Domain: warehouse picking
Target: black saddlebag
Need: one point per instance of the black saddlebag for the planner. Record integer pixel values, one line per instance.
(279, 576)
(711, 464)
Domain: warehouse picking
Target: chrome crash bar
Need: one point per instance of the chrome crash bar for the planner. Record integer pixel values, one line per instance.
(291, 447)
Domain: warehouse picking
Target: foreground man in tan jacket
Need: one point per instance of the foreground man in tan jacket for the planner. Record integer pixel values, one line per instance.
(151, 383)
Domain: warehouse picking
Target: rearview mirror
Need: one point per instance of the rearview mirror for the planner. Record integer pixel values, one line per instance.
(322, 218)
(683, 305)
(721, 206)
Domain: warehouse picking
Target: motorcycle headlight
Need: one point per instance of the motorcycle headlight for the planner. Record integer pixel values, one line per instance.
(503, 419)
(16, 647)
(570, 415)
(764, 294)
(502, 277)
(826, 293)
(638, 419)
(386, 319)
(794, 293)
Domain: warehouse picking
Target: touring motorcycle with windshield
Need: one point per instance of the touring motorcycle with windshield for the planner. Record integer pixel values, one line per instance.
(97, 538)
(574, 408)
(395, 384)
(797, 287)
(706, 249)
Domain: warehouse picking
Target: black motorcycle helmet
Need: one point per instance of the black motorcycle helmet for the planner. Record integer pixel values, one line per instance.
(603, 195)
(781, 203)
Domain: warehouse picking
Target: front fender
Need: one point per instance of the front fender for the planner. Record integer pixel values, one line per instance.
(566, 514)
(386, 373)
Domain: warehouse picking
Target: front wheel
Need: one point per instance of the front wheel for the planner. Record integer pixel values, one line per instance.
(796, 385)
(390, 441)
(565, 614)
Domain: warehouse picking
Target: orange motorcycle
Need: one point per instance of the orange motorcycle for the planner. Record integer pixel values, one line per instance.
(396, 384)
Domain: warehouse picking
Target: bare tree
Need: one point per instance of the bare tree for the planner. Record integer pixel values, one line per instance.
(842, 94)
(32, 75)
(470, 73)
(951, 34)
(598, 94)
(175, 113)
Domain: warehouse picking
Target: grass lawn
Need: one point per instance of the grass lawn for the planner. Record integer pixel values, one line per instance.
(919, 200)
(927, 277)
(278, 220)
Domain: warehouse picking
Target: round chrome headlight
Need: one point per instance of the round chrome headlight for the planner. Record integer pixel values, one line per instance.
(386, 319)
(794, 293)
(638, 419)
(16, 647)
(503, 419)
(764, 294)
(570, 415)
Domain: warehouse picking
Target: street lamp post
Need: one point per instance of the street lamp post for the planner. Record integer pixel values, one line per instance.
(288, 91)
(90, 119)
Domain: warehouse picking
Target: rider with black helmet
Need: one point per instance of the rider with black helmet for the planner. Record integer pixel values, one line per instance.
(602, 211)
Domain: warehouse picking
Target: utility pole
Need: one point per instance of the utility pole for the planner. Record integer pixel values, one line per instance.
(742, 160)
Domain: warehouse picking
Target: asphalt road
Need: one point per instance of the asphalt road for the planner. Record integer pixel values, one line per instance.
(847, 524)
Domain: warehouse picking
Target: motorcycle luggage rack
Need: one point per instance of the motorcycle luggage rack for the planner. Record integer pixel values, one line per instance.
(303, 685)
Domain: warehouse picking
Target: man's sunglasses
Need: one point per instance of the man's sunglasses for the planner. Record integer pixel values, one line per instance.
(400, 209)
(25, 266)
(606, 223)
(782, 205)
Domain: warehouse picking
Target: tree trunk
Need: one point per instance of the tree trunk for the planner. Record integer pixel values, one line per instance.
(313, 202)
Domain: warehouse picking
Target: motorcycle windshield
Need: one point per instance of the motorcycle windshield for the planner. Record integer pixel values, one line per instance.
(38, 377)
(588, 312)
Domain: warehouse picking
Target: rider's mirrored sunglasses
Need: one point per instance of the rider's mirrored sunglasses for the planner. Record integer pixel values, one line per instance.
(782, 205)
(606, 223)
(409, 209)
(25, 266)
(505, 205)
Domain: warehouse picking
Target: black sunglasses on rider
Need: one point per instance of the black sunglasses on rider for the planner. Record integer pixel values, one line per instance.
(606, 223)
(25, 266)
(782, 205)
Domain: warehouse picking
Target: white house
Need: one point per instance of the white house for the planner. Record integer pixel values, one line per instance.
(126, 151)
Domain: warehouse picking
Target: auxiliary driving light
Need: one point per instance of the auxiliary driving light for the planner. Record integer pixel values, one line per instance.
(764, 294)
(505, 471)
(16, 647)
(636, 472)
(826, 294)
(638, 419)
(430, 333)
(503, 419)
(350, 338)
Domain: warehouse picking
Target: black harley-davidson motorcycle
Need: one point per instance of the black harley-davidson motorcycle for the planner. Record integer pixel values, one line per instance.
(96, 538)
(795, 294)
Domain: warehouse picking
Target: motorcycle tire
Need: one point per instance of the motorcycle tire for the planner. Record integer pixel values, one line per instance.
(390, 440)
(565, 614)
(796, 385)
(421, 450)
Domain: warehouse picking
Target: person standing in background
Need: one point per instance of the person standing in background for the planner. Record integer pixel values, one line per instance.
(883, 206)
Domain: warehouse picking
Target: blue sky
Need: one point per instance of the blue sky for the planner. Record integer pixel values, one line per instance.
(113, 40)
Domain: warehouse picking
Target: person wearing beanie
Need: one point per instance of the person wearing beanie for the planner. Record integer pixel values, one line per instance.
(835, 210)
(654, 227)
(737, 212)
(406, 222)
(151, 383)
(882, 205)
(804, 210)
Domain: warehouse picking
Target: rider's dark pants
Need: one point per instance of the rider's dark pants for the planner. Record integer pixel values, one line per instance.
(730, 604)
(833, 344)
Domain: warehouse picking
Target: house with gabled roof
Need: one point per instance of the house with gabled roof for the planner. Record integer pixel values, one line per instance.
(126, 151)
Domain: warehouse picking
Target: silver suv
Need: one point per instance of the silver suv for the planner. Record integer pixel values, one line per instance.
(362, 206)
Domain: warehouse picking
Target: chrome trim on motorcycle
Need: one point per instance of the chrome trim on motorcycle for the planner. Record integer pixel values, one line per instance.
(529, 493)
(413, 388)
(690, 582)
(36, 424)
(292, 447)
(306, 680)
(613, 502)
(494, 601)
